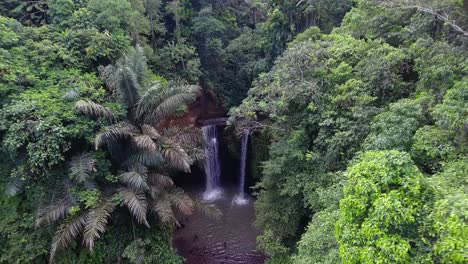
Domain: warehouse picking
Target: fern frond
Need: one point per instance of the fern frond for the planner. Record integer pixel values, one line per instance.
(96, 222)
(93, 109)
(114, 133)
(53, 213)
(81, 166)
(67, 233)
(136, 203)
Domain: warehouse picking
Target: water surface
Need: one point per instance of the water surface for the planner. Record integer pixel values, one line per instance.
(202, 240)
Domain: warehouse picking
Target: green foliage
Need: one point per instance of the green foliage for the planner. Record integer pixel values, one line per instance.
(391, 77)
(150, 251)
(387, 79)
(382, 209)
(318, 244)
(449, 216)
(394, 128)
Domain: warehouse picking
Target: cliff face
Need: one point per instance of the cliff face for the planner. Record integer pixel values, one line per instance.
(207, 106)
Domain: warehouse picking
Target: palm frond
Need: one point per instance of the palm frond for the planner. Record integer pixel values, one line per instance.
(150, 131)
(14, 186)
(208, 209)
(149, 100)
(135, 180)
(160, 181)
(197, 155)
(181, 201)
(114, 133)
(145, 143)
(176, 157)
(147, 158)
(96, 222)
(136, 203)
(188, 135)
(67, 233)
(136, 61)
(93, 109)
(159, 103)
(53, 213)
(163, 209)
(81, 166)
(175, 98)
(127, 86)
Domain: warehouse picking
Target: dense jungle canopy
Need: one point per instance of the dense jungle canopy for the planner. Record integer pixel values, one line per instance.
(358, 113)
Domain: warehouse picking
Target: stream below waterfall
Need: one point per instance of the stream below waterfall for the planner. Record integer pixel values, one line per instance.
(232, 240)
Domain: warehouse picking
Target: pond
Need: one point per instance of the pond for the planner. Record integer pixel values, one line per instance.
(232, 240)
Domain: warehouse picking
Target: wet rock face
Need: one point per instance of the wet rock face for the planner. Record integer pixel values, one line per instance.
(230, 241)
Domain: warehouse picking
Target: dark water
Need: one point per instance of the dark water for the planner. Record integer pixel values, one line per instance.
(202, 240)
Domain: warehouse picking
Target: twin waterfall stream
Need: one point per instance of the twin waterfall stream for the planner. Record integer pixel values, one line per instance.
(213, 189)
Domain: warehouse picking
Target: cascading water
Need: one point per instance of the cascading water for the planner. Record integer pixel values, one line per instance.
(212, 164)
(240, 197)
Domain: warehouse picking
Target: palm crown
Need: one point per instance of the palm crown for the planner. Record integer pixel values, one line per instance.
(145, 150)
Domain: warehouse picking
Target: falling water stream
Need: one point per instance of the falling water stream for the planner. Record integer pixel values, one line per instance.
(240, 198)
(212, 164)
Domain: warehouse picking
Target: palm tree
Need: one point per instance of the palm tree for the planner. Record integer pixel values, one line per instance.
(145, 150)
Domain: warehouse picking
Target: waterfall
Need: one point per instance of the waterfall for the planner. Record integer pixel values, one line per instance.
(240, 198)
(212, 164)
